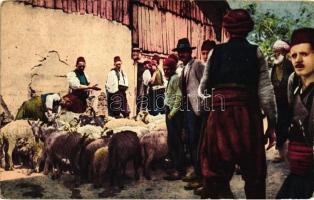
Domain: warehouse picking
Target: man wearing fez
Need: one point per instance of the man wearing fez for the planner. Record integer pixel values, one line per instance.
(280, 72)
(79, 87)
(236, 76)
(173, 97)
(205, 48)
(116, 86)
(156, 89)
(300, 182)
(191, 105)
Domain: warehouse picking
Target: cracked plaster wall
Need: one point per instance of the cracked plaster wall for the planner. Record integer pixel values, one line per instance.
(46, 43)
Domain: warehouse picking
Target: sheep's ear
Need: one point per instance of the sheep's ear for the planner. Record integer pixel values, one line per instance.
(29, 122)
(109, 133)
(42, 123)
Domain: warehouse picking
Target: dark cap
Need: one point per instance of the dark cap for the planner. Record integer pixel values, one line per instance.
(80, 59)
(238, 22)
(117, 59)
(303, 35)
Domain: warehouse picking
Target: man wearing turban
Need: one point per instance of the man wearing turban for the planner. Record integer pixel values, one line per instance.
(280, 72)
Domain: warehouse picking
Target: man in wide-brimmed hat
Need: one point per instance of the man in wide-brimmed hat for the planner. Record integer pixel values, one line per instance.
(300, 182)
(237, 78)
(191, 106)
(280, 72)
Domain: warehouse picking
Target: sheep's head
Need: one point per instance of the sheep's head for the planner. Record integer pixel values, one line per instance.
(36, 129)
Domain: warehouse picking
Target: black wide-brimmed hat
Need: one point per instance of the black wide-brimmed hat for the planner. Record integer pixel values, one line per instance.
(183, 44)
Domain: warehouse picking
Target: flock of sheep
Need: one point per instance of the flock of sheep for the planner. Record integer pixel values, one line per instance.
(91, 151)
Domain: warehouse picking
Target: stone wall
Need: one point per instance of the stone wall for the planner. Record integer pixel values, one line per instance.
(39, 46)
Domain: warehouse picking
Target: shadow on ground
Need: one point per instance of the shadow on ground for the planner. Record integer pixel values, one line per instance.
(43, 187)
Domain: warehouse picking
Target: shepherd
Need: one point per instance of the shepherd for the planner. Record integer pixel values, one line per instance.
(238, 73)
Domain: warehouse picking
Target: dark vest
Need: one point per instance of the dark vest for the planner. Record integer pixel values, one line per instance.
(121, 87)
(82, 78)
(83, 81)
(234, 63)
(302, 119)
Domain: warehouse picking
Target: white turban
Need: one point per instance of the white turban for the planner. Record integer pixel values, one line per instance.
(279, 44)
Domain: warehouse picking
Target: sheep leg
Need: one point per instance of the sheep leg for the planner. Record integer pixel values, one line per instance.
(48, 164)
(90, 173)
(136, 166)
(9, 146)
(121, 169)
(96, 175)
(76, 173)
(41, 162)
(2, 159)
(148, 160)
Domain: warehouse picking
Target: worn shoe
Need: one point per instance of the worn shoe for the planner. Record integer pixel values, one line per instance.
(189, 177)
(200, 191)
(192, 185)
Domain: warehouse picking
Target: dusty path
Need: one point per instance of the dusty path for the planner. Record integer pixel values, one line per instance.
(16, 184)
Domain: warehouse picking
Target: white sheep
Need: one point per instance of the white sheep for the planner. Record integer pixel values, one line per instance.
(9, 135)
(115, 123)
(94, 132)
(153, 147)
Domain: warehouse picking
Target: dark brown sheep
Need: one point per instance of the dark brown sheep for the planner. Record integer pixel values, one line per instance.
(123, 147)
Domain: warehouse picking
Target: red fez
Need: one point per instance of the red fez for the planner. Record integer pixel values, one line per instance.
(238, 22)
(170, 62)
(303, 35)
(80, 59)
(117, 59)
(156, 57)
(174, 57)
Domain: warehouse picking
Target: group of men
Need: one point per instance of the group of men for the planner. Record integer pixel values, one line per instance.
(218, 103)
(221, 107)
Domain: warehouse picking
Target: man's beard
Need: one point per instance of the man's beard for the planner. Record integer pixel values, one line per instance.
(279, 59)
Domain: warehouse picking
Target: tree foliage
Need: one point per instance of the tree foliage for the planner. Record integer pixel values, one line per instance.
(271, 26)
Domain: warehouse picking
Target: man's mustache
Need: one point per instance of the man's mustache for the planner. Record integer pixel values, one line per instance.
(299, 65)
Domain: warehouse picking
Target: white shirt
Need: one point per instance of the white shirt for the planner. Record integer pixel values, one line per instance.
(50, 99)
(146, 77)
(74, 82)
(112, 83)
(179, 68)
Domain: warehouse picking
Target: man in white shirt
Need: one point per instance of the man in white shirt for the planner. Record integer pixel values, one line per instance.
(79, 88)
(116, 86)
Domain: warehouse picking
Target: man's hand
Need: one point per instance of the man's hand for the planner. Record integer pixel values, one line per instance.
(95, 87)
(169, 116)
(270, 138)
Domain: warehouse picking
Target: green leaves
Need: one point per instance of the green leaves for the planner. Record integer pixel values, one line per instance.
(271, 26)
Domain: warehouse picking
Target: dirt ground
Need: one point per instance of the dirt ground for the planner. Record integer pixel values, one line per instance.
(18, 185)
